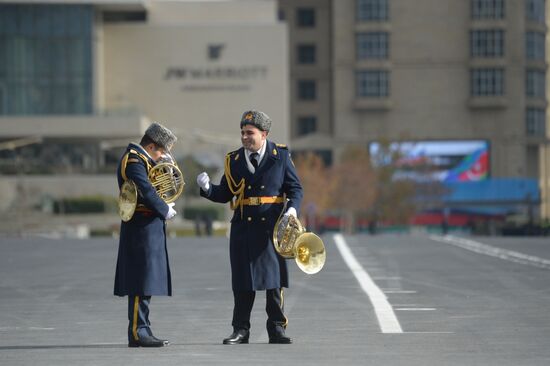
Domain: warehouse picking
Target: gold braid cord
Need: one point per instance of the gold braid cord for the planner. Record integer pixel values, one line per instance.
(237, 189)
(125, 163)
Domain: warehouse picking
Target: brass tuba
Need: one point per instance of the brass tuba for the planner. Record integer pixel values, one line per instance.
(165, 177)
(292, 241)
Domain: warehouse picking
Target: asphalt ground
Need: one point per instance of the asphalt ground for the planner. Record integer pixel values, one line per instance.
(454, 306)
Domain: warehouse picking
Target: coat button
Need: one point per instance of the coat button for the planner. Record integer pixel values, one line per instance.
(263, 218)
(249, 218)
(249, 187)
(262, 187)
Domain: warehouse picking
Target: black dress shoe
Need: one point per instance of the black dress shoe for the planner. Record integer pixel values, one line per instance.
(280, 339)
(237, 337)
(148, 341)
(165, 341)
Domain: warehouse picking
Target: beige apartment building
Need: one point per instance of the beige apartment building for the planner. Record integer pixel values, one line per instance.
(430, 70)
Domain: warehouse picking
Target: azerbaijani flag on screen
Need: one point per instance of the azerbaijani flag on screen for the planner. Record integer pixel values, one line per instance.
(473, 167)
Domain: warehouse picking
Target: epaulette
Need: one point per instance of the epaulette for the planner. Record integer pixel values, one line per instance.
(233, 155)
(282, 146)
(137, 154)
(136, 157)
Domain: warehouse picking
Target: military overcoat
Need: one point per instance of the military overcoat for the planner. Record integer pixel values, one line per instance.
(255, 265)
(142, 266)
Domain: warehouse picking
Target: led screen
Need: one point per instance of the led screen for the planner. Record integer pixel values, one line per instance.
(445, 161)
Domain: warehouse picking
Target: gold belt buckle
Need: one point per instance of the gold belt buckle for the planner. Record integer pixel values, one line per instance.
(254, 201)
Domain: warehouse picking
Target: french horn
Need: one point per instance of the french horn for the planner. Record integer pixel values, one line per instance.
(292, 241)
(165, 177)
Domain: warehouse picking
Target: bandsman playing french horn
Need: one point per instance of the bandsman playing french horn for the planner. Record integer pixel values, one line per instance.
(142, 268)
(259, 180)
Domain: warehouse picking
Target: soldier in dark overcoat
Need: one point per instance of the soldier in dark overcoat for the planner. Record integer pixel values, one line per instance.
(142, 268)
(260, 181)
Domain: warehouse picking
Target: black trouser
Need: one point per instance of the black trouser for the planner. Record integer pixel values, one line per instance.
(274, 307)
(138, 316)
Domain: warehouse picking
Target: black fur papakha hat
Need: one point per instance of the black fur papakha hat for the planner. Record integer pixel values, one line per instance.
(161, 135)
(256, 118)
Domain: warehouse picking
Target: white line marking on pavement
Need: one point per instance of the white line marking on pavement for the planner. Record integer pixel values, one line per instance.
(504, 254)
(41, 328)
(384, 312)
(429, 332)
(390, 291)
(415, 309)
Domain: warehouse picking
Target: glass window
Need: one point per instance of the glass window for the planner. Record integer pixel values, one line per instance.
(307, 90)
(535, 10)
(305, 17)
(535, 122)
(487, 82)
(535, 46)
(487, 43)
(124, 16)
(488, 9)
(535, 83)
(372, 45)
(306, 54)
(46, 58)
(372, 83)
(307, 125)
(372, 10)
(2, 100)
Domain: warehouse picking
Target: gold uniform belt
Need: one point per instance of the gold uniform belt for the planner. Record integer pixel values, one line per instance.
(256, 201)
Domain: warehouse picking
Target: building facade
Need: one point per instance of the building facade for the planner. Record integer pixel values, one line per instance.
(433, 70)
(80, 79)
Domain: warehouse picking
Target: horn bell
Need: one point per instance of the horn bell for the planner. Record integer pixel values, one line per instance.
(310, 253)
(127, 200)
(292, 241)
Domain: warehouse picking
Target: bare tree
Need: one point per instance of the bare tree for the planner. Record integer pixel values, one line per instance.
(356, 183)
(399, 194)
(318, 187)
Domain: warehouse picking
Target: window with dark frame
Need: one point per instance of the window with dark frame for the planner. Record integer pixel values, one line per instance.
(306, 54)
(535, 83)
(372, 45)
(372, 83)
(535, 46)
(535, 122)
(487, 43)
(305, 17)
(307, 90)
(487, 82)
(488, 9)
(372, 10)
(535, 11)
(307, 125)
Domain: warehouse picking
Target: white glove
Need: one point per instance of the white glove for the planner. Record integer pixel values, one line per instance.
(203, 180)
(171, 212)
(291, 211)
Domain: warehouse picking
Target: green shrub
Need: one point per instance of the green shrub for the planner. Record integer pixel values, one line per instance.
(194, 212)
(79, 205)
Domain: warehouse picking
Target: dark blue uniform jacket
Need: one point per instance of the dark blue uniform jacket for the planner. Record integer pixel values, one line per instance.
(255, 265)
(142, 266)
